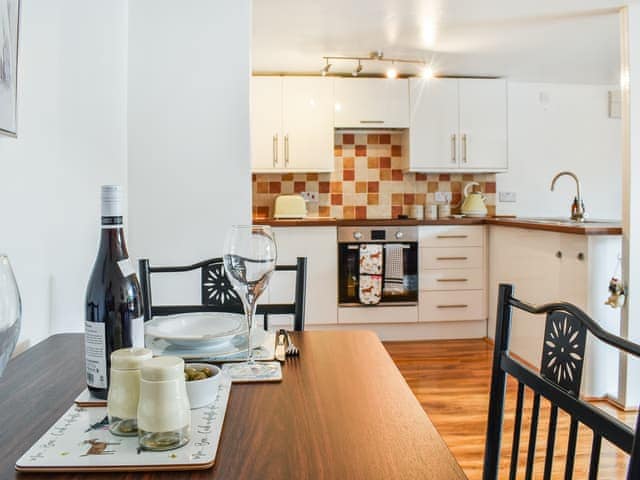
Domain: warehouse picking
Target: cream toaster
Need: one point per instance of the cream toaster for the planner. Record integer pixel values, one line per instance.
(290, 206)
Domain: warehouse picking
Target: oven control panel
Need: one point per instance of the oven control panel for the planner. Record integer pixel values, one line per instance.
(377, 234)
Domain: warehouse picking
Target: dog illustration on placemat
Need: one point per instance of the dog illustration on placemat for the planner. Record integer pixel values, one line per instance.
(98, 447)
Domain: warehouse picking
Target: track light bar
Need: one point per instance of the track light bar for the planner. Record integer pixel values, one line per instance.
(378, 56)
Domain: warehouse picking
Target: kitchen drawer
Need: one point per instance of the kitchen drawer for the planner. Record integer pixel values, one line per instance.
(378, 314)
(451, 306)
(451, 236)
(456, 279)
(451, 258)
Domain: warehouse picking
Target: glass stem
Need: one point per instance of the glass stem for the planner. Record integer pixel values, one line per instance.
(251, 306)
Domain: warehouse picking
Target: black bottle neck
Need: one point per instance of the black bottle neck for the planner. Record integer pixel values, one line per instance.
(112, 242)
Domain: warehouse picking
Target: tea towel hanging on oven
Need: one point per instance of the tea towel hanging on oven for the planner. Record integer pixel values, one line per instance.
(370, 284)
(394, 269)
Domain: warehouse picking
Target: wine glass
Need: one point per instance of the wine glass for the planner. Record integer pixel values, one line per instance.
(249, 260)
(10, 312)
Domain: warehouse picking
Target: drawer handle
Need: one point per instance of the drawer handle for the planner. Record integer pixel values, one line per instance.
(452, 258)
(371, 121)
(452, 280)
(462, 305)
(452, 236)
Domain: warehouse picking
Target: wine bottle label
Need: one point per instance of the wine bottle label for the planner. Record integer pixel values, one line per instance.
(95, 351)
(125, 267)
(137, 332)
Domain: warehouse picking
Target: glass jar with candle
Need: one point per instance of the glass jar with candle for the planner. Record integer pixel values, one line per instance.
(124, 390)
(164, 415)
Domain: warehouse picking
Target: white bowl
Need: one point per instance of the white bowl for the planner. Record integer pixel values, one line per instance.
(203, 392)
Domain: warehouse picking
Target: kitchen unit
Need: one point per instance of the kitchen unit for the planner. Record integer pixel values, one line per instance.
(371, 103)
(292, 124)
(458, 125)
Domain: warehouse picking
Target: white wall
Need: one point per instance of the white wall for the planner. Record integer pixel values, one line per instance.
(188, 155)
(554, 127)
(71, 139)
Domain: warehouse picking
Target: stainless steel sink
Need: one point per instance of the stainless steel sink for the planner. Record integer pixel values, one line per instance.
(562, 221)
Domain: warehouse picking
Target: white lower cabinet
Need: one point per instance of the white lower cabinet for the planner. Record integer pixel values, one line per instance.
(319, 245)
(452, 274)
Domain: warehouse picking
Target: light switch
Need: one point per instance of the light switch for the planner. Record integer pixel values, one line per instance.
(507, 197)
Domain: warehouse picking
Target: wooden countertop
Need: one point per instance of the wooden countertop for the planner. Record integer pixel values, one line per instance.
(600, 227)
(342, 411)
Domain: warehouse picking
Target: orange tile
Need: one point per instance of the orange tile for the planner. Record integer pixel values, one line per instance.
(467, 177)
(337, 151)
(349, 212)
(299, 186)
(253, 177)
(348, 175)
(263, 187)
(262, 212)
(396, 151)
(397, 198)
(312, 177)
(409, 199)
(323, 187)
(348, 138)
(372, 199)
(324, 211)
(372, 139)
(274, 187)
(384, 139)
(361, 187)
(385, 162)
(421, 198)
(491, 210)
(397, 175)
(373, 162)
(361, 212)
(336, 187)
(373, 187)
(361, 150)
(421, 177)
(336, 199)
(444, 177)
(456, 187)
(456, 198)
(385, 174)
(348, 162)
(490, 187)
(287, 177)
(396, 210)
(432, 187)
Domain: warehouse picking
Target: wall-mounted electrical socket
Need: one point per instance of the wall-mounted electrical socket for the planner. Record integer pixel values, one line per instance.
(443, 197)
(507, 197)
(309, 196)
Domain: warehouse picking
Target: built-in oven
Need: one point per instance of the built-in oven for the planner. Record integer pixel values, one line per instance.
(377, 266)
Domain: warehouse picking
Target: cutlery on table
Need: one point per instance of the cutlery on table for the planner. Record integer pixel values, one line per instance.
(280, 352)
(292, 350)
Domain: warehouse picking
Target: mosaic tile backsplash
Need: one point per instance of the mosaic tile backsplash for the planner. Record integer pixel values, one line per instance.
(368, 182)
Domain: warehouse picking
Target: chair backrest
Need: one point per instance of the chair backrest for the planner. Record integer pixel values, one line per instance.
(558, 382)
(218, 295)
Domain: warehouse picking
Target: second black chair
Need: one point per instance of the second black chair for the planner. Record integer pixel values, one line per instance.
(217, 294)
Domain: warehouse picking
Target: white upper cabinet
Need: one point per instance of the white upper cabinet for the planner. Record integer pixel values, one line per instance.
(483, 124)
(371, 103)
(292, 124)
(458, 125)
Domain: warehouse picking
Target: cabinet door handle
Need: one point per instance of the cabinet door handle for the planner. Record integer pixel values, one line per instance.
(464, 147)
(371, 121)
(452, 236)
(286, 150)
(452, 258)
(452, 280)
(275, 150)
(461, 305)
(453, 148)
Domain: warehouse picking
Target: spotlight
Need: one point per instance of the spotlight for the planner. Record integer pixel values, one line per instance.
(427, 72)
(357, 70)
(326, 68)
(392, 72)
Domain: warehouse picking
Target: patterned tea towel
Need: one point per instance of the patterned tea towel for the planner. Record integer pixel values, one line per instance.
(394, 269)
(370, 281)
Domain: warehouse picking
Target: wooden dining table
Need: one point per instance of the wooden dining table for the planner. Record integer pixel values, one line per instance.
(341, 411)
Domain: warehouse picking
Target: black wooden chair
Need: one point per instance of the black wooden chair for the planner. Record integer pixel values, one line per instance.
(558, 382)
(217, 294)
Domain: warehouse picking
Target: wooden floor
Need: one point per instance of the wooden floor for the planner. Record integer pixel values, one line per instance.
(451, 380)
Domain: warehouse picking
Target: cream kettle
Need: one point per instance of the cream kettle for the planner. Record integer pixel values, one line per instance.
(473, 203)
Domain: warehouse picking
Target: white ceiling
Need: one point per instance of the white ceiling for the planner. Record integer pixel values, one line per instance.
(530, 40)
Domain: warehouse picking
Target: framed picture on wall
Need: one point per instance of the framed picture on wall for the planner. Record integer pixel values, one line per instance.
(9, 13)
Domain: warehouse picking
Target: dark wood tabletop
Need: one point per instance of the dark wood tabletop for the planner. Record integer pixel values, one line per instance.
(342, 411)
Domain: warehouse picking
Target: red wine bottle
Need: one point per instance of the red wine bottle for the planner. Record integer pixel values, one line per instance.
(114, 317)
